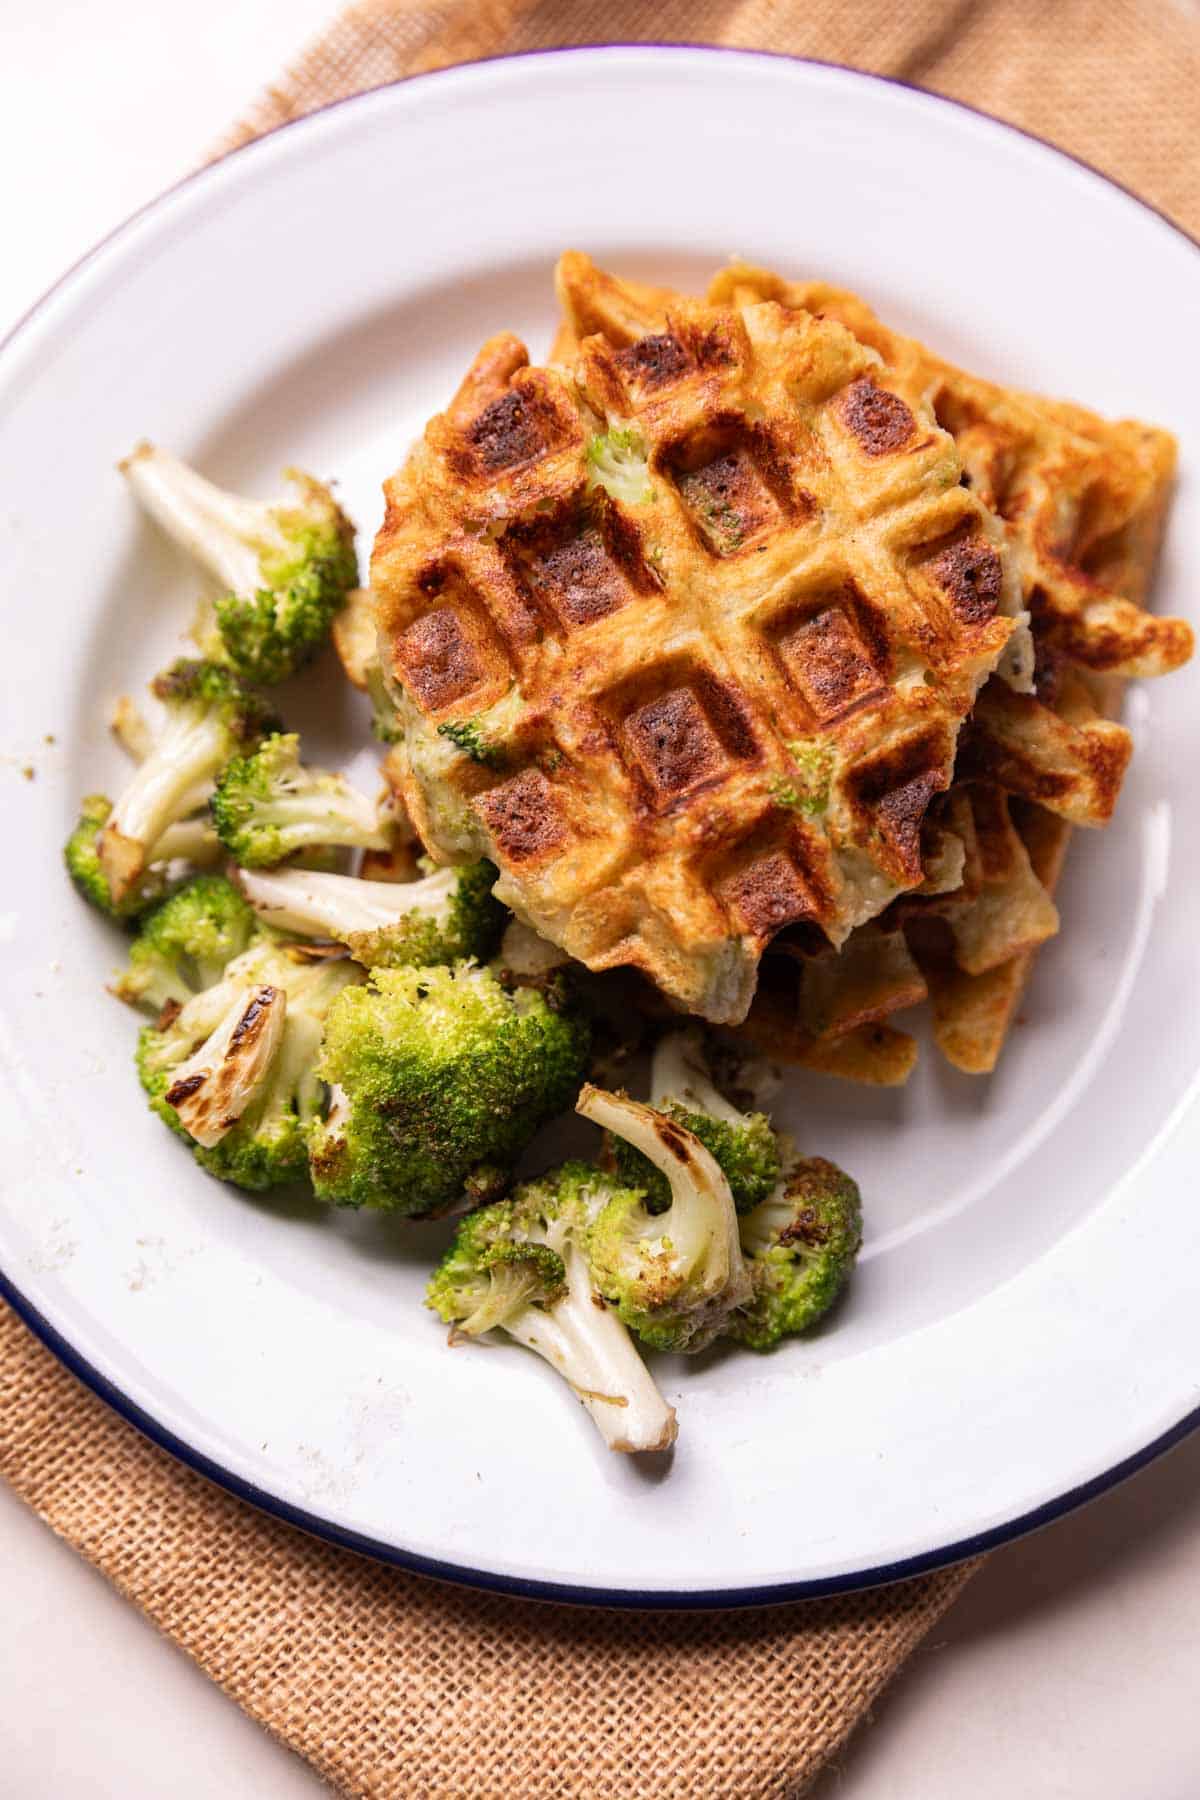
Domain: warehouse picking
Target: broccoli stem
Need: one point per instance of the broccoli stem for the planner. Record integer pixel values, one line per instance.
(128, 725)
(591, 1349)
(186, 755)
(328, 818)
(678, 1072)
(318, 904)
(188, 840)
(224, 532)
(700, 1225)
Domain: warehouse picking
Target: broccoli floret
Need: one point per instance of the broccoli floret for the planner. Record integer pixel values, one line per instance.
(81, 855)
(285, 568)
(209, 716)
(618, 462)
(441, 1078)
(268, 806)
(674, 1277)
(467, 735)
(744, 1144)
(440, 919)
(234, 1070)
(800, 1246)
(189, 841)
(185, 944)
(520, 1266)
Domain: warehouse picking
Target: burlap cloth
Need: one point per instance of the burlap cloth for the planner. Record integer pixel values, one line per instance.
(396, 1686)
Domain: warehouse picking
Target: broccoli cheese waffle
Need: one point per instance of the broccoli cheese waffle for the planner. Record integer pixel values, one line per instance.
(682, 635)
(1082, 501)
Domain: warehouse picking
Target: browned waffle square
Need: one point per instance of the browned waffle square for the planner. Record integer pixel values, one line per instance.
(687, 706)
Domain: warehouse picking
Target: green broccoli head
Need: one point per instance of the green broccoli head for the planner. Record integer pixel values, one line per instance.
(209, 716)
(446, 917)
(285, 569)
(520, 1266)
(185, 944)
(234, 1070)
(267, 806)
(485, 1278)
(744, 1145)
(438, 1075)
(800, 1247)
(194, 684)
(675, 1276)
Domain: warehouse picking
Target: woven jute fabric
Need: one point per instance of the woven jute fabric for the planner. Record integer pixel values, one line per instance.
(398, 1688)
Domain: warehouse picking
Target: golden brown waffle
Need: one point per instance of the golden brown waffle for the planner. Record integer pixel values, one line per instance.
(1083, 502)
(1082, 497)
(973, 1012)
(691, 699)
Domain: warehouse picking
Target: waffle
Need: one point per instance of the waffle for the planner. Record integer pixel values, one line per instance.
(708, 694)
(1082, 497)
(1083, 502)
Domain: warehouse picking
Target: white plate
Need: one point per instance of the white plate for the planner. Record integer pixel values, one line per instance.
(1024, 1325)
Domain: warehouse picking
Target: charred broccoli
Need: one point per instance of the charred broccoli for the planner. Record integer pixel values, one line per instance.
(235, 1068)
(209, 716)
(81, 855)
(743, 1144)
(440, 1078)
(185, 943)
(190, 841)
(799, 1246)
(520, 1266)
(268, 805)
(442, 918)
(285, 568)
(675, 1277)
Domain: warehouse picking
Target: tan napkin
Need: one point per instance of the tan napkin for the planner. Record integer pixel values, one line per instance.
(394, 1686)
(1116, 82)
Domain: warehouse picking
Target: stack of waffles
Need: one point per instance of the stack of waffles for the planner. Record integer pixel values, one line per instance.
(767, 654)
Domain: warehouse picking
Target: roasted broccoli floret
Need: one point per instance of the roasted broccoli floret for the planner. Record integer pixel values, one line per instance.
(209, 716)
(744, 1144)
(799, 1246)
(185, 943)
(440, 919)
(675, 1276)
(234, 1070)
(189, 841)
(440, 1080)
(285, 567)
(82, 857)
(520, 1266)
(268, 805)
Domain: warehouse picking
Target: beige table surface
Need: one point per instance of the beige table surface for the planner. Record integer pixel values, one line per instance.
(1070, 1670)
